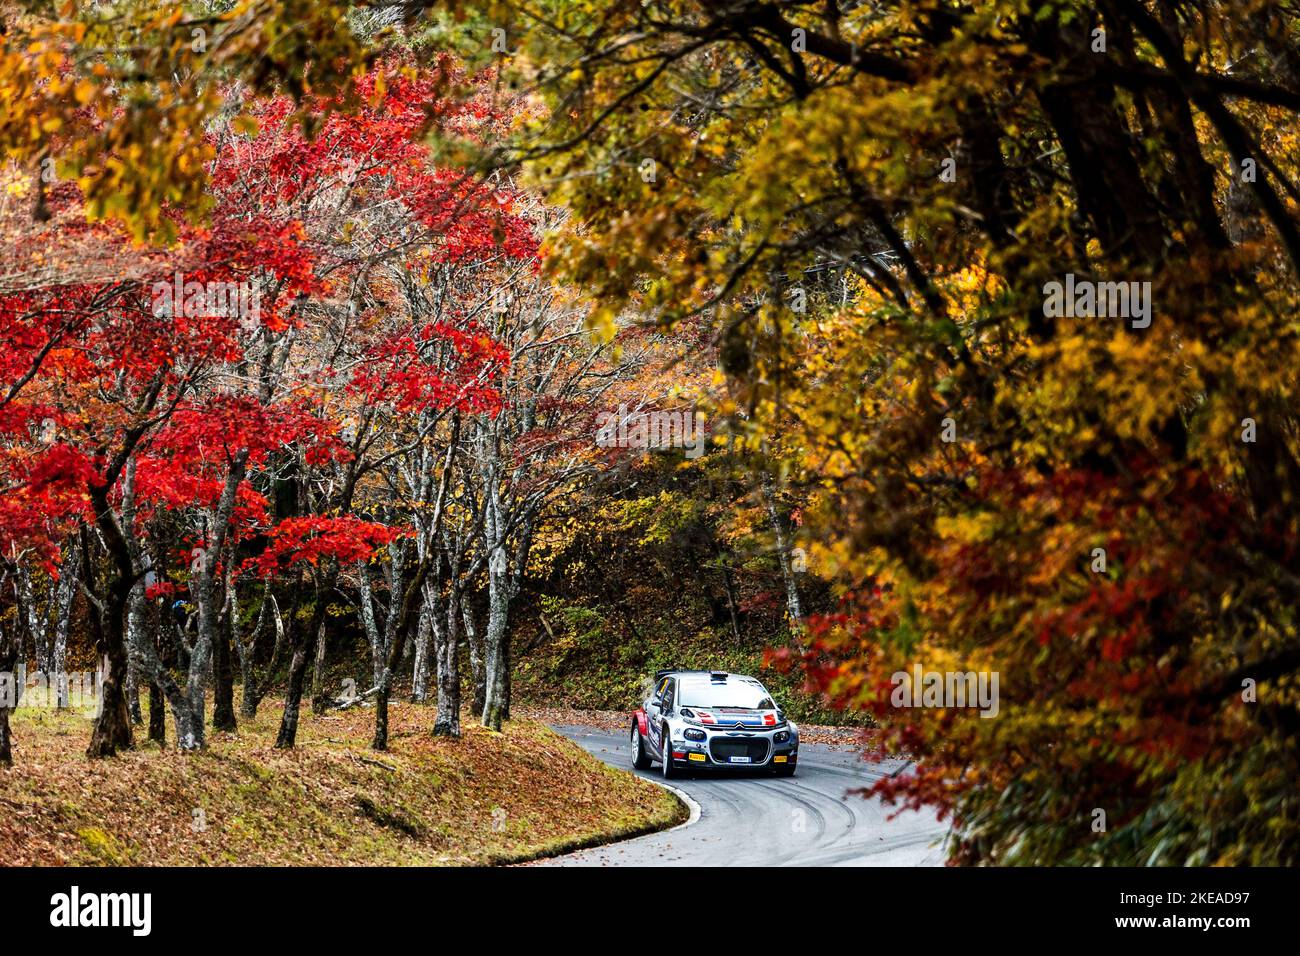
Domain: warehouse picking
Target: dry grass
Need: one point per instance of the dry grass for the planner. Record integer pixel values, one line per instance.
(486, 798)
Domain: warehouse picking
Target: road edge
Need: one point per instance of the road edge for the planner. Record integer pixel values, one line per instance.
(572, 845)
(693, 816)
(685, 798)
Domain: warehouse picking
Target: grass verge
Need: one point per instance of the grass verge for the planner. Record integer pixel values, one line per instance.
(484, 799)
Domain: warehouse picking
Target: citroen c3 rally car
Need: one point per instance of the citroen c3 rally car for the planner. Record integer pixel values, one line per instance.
(712, 720)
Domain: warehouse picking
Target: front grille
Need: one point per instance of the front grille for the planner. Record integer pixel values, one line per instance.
(723, 749)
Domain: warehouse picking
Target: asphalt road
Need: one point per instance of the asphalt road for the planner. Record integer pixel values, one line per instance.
(749, 819)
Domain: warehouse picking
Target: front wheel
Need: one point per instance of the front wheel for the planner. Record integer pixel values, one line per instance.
(666, 743)
(786, 770)
(640, 760)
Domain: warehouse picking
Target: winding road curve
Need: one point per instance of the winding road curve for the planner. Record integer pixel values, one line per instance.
(756, 820)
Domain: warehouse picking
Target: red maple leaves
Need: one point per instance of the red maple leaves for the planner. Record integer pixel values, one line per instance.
(140, 366)
(346, 539)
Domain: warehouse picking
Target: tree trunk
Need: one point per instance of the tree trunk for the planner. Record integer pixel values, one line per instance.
(188, 705)
(163, 687)
(111, 731)
(58, 662)
(447, 723)
(303, 646)
(223, 678)
(373, 637)
(494, 704)
(729, 585)
(157, 715)
(793, 604)
(477, 659)
(133, 694)
(392, 648)
(134, 623)
(112, 728)
(248, 702)
(254, 687)
(191, 732)
(37, 618)
(411, 599)
(503, 680)
(318, 674)
(8, 694)
(147, 654)
(165, 691)
(293, 698)
(400, 622)
(6, 748)
(210, 649)
(380, 740)
(420, 672)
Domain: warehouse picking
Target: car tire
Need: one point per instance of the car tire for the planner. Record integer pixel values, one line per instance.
(640, 759)
(670, 772)
(786, 771)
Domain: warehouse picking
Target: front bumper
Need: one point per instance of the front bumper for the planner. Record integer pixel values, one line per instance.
(732, 749)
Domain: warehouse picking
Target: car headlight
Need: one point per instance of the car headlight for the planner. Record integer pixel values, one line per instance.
(781, 736)
(692, 734)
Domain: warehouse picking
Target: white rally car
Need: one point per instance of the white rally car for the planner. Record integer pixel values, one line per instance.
(712, 720)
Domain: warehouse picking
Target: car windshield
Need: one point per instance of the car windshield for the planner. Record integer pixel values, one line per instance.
(732, 693)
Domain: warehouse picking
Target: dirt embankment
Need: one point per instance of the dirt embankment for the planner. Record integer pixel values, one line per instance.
(486, 798)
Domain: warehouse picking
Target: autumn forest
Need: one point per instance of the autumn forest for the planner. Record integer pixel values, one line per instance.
(383, 384)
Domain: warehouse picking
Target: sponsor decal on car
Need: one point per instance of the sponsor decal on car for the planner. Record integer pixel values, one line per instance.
(740, 720)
